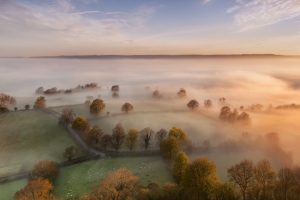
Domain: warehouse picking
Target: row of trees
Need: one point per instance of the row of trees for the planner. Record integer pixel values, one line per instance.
(227, 115)
(119, 138)
(194, 180)
(78, 88)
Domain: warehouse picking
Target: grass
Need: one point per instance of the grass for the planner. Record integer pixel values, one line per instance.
(8, 190)
(80, 179)
(30, 136)
(12, 169)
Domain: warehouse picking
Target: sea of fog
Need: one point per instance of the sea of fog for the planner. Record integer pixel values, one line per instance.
(241, 81)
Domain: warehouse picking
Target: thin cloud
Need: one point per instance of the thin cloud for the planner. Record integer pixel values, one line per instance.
(232, 9)
(205, 2)
(258, 13)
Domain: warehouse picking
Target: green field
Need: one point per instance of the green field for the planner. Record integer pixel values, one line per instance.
(8, 190)
(30, 136)
(82, 178)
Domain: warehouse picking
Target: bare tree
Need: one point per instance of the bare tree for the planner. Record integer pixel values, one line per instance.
(145, 136)
(285, 182)
(66, 117)
(161, 135)
(265, 177)
(118, 136)
(105, 141)
(242, 175)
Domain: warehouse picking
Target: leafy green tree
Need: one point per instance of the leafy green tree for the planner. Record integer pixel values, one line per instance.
(193, 104)
(145, 137)
(180, 163)
(94, 134)
(131, 139)
(80, 124)
(70, 152)
(45, 169)
(242, 175)
(97, 106)
(169, 148)
(127, 107)
(40, 102)
(200, 179)
(179, 134)
(118, 137)
(66, 117)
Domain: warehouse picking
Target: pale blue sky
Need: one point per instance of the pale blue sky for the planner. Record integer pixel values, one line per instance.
(68, 27)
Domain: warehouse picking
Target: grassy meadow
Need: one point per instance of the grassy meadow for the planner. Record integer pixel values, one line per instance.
(81, 178)
(30, 136)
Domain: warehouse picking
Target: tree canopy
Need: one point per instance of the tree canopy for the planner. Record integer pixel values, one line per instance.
(80, 124)
(36, 189)
(40, 102)
(119, 185)
(94, 134)
(118, 136)
(97, 106)
(131, 138)
(193, 104)
(45, 169)
(127, 107)
(179, 134)
(180, 163)
(200, 178)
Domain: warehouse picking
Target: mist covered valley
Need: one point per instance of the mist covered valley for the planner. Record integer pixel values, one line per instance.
(242, 82)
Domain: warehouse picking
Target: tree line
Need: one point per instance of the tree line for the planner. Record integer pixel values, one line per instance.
(196, 179)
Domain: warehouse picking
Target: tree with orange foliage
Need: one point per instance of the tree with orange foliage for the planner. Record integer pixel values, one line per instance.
(36, 189)
(118, 185)
(45, 169)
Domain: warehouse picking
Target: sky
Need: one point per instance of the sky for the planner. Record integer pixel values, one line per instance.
(135, 27)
